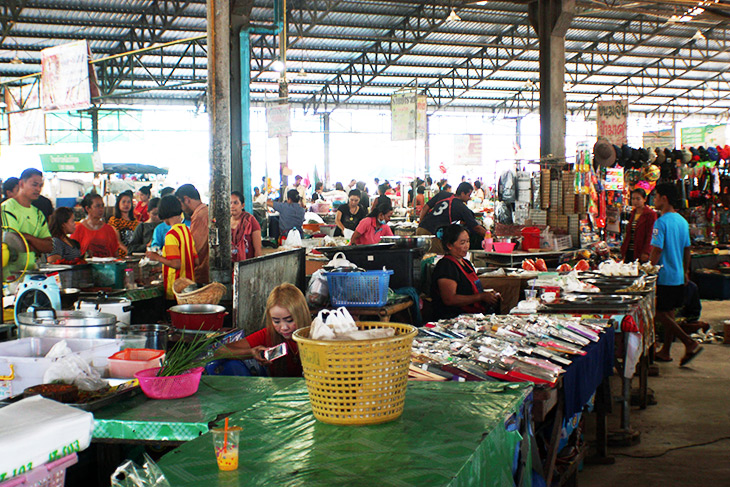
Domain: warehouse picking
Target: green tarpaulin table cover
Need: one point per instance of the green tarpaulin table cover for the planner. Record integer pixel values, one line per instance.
(450, 434)
(143, 419)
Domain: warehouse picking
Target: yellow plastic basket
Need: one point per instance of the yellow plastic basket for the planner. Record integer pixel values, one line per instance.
(357, 381)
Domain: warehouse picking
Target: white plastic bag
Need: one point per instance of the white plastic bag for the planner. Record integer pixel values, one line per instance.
(319, 330)
(347, 233)
(318, 290)
(293, 239)
(339, 260)
(70, 368)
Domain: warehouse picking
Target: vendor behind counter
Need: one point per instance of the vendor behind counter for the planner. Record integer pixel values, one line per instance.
(446, 208)
(455, 286)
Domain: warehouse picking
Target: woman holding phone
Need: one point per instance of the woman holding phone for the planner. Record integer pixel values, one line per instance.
(286, 311)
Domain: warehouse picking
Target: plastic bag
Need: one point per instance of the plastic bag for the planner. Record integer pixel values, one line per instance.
(318, 290)
(347, 233)
(129, 474)
(70, 368)
(293, 239)
(339, 261)
(320, 330)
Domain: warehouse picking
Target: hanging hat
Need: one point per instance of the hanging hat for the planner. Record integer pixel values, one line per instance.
(623, 161)
(690, 156)
(669, 154)
(652, 155)
(617, 150)
(603, 153)
(676, 155)
(660, 156)
(651, 173)
(632, 176)
(724, 152)
(713, 153)
(704, 155)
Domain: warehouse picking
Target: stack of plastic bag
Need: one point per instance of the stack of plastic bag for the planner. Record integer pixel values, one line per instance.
(339, 325)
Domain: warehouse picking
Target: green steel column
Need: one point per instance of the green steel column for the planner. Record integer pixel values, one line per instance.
(245, 56)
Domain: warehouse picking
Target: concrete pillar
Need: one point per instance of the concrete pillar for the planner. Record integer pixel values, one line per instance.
(551, 19)
(237, 23)
(326, 130)
(219, 113)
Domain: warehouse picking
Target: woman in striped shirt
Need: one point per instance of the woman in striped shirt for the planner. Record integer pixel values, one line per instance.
(178, 255)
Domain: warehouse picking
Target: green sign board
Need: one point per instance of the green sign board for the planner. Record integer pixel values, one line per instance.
(89, 162)
(709, 135)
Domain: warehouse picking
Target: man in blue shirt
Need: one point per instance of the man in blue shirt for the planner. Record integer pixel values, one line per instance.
(670, 249)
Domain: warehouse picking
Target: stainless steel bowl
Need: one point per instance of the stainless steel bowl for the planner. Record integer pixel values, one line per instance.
(409, 241)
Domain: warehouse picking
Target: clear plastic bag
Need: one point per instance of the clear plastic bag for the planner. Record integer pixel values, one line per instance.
(70, 368)
(318, 290)
(129, 474)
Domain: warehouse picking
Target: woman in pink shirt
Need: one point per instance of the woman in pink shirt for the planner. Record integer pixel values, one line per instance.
(374, 226)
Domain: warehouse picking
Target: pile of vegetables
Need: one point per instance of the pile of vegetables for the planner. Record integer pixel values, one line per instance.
(185, 356)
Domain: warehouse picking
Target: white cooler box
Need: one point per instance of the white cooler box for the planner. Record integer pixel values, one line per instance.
(27, 356)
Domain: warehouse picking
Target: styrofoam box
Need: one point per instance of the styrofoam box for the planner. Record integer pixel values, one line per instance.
(27, 355)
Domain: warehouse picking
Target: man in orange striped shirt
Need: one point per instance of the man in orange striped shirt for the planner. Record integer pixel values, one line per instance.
(178, 255)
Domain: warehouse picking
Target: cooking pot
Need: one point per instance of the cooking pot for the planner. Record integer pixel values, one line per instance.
(409, 241)
(156, 335)
(119, 307)
(198, 316)
(69, 296)
(66, 324)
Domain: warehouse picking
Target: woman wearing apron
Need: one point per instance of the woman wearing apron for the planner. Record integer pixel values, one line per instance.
(455, 287)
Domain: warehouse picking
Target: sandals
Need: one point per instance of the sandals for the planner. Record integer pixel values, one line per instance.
(657, 358)
(689, 356)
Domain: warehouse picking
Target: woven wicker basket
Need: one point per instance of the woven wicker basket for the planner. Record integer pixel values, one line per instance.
(354, 382)
(209, 294)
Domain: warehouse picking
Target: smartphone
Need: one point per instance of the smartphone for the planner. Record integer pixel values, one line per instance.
(276, 352)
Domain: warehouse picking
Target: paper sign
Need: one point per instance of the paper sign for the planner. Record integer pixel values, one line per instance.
(407, 116)
(614, 179)
(468, 149)
(278, 120)
(29, 126)
(611, 120)
(659, 138)
(67, 79)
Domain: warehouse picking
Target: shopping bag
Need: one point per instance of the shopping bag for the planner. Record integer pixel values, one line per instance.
(293, 239)
(318, 290)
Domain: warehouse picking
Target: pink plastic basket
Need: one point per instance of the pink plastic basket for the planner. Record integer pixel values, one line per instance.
(52, 474)
(173, 387)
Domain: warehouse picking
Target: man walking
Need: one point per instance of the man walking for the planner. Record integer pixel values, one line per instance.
(198, 213)
(670, 249)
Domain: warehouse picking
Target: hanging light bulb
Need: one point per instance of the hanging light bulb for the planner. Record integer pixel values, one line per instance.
(302, 73)
(699, 36)
(453, 17)
(278, 65)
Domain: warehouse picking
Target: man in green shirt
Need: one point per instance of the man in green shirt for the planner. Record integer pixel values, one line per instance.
(20, 214)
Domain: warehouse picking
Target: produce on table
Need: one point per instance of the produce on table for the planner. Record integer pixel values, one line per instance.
(528, 265)
(564, 268)
(185, 356)
(582, 265)
(540, 265)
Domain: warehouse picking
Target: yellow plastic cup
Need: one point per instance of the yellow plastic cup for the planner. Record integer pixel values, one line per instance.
(225, 445)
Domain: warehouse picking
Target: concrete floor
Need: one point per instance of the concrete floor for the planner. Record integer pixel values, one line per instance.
(693, 407)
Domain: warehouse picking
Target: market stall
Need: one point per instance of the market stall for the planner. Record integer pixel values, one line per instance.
(423, 447)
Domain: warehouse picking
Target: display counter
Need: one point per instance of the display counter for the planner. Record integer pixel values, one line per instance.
(450, 434)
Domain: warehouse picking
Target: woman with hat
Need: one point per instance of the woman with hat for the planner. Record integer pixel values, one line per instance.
(636, 244)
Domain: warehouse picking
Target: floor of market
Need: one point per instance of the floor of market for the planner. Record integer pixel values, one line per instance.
(692, 409)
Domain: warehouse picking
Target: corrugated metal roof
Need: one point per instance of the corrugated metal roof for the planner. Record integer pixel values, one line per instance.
(389, 43)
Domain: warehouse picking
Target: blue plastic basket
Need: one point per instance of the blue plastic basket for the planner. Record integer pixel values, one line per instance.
(365, 289)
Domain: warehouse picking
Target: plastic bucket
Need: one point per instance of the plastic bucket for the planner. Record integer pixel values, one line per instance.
(530, 238)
